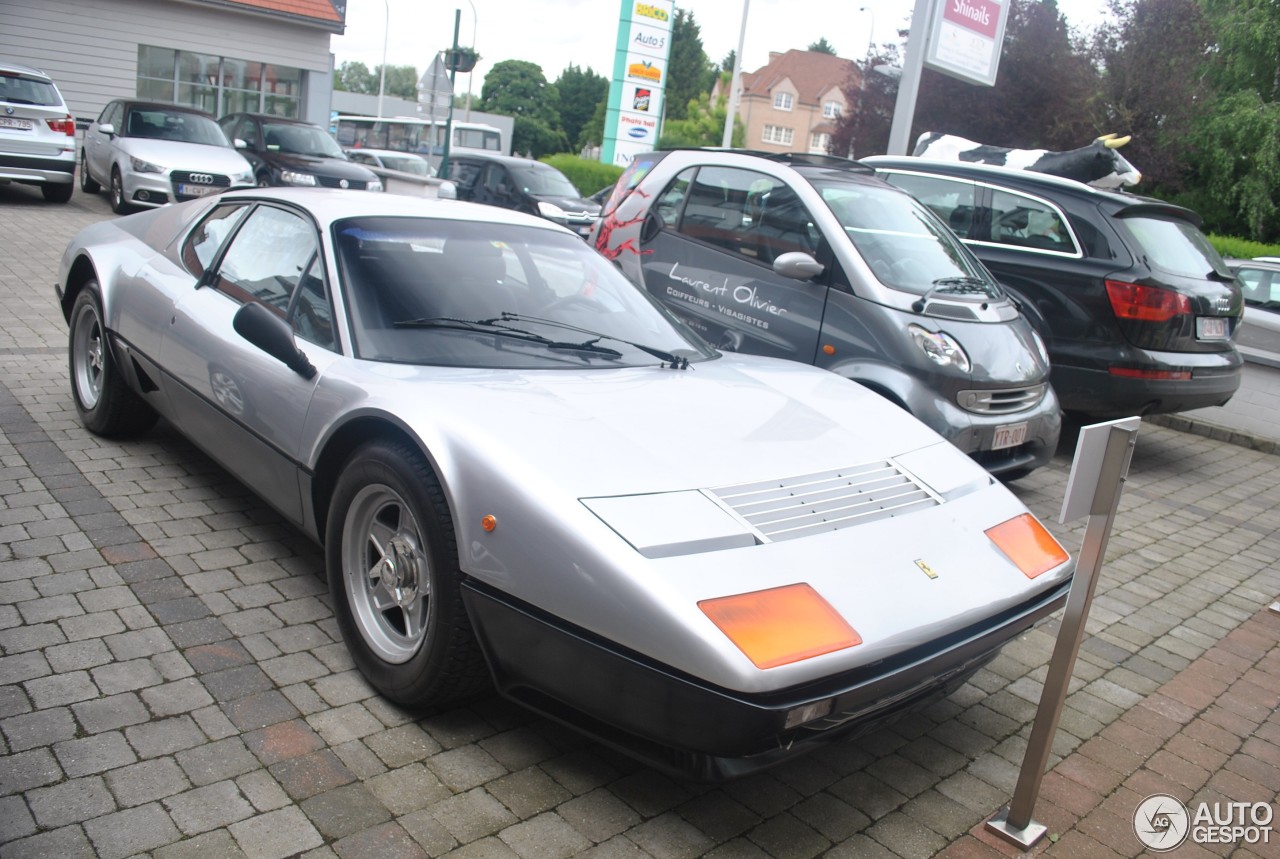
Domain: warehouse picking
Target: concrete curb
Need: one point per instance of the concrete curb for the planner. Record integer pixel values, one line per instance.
(1208, 429)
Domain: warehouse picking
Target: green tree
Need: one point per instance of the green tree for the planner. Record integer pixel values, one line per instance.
(592, 133)
(581, 94)
(703, 124)
(517, 88)
(689, 72)
(822, 46)
(355, 77)
(402, 81)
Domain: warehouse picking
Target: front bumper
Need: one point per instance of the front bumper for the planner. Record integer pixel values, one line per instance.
(690, 729)
(158, 189)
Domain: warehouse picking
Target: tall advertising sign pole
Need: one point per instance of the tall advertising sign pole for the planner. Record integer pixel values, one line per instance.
(960, 39)
(631, 123)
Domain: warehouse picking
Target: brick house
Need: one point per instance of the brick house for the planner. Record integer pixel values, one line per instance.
(792, 104)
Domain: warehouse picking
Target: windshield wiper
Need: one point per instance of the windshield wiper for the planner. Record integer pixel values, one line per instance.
(675, 362)
(489, 326)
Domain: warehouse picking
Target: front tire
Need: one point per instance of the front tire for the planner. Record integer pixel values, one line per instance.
(264, 179)
(86, 181)
(118, 203)
(392, 563)
(105, 403)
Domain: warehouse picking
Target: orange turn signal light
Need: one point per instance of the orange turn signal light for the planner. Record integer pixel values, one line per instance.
(781, 625)
(1028, 544)
(489, 522)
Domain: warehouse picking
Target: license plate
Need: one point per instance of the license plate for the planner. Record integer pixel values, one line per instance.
(1009, 435)
(1211, 328)
(195, 190)
(13, 122)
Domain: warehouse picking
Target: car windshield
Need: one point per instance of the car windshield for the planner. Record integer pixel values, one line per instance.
(177, 125)
(475, 294)
(902, 241)
(543, 181)
(1176, 246)
(407, 164)
(301, 140)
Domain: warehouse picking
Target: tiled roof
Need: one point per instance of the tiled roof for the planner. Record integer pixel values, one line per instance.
(315, 10)
(812, 73)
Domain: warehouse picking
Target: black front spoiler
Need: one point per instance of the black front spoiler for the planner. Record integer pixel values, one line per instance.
(690, 729)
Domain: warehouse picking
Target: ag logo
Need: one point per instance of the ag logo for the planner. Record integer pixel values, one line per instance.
(1161, 822)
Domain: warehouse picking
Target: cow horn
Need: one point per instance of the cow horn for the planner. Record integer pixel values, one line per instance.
(1105, 137)
(1118, 141)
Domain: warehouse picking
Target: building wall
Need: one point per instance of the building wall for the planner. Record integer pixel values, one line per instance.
(90, 47)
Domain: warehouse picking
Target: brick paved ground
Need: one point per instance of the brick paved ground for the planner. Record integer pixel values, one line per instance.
(172, 683)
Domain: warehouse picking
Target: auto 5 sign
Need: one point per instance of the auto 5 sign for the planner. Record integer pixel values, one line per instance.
(639, 77)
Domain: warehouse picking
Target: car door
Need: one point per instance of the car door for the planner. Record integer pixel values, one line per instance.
(245, 128)
(242, 406)
(97, 144)
(707, 250)
(465, 175)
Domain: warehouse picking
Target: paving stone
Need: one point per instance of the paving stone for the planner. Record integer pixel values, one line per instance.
(345, 810)
(210, 807)
(180, 696)
(146, 782)
(669, 835)
(94, 754)
(69, 842)
(70, 802)
(132, 831)
(276, 834)
(464, 768)
(531, 791)
(110, 714)
(218, 843)
(224, 759)
(306, 776)
(42, 728)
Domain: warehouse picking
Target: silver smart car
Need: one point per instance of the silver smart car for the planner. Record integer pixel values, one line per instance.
(814, 259)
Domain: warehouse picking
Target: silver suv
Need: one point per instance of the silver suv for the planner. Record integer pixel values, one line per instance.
(37, 133)
(815, 259)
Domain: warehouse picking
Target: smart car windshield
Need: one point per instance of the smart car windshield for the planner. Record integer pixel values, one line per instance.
(473, 294)
(407, 164)
(178, 125)
(904, 244)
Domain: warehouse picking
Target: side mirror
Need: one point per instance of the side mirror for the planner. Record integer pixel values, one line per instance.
(797, 265)
(257, 324)
(651, 226)
(107, 129)
(239, 143)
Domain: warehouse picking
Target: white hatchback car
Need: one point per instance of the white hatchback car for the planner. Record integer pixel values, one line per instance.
(149, 154)
(37, 133)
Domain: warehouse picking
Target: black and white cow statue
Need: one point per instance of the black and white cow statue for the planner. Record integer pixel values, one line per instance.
(1099, 164)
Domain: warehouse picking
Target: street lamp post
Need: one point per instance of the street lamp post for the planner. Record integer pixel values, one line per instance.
(732, 111)
(871, 37)
(382, 78)
(470, 75)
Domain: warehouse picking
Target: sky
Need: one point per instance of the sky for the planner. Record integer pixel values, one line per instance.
(556, 33)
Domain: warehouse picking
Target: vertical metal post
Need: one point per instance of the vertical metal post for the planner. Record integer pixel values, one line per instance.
(453, 73)
(1014, 822)
(904, 109)
(734, 79)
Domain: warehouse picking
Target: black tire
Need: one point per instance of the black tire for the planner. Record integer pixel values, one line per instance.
(118, 203)
(105, 403)
(392, 562)
(264, 179)
(86, 181)
(57, 193)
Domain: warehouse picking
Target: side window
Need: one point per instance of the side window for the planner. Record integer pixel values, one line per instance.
(667, 206)
(747, 213)
(1261, 288)
(111, 114)
(1029, 223)
(951, 200)
(495, 176)
(464, 173)
(275, 259)
(203, 243)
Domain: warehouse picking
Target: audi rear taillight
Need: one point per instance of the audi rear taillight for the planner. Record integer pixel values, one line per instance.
(1146, 303)
(66, 126)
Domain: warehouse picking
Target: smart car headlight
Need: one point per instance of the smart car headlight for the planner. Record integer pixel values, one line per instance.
(290, 177)
(942, 349)
(140, 166)
(1041, 349)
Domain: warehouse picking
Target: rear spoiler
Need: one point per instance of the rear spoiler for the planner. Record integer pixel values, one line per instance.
(1158, 208)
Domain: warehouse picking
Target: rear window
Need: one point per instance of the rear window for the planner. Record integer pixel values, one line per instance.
(1176, 247)
(24, 89)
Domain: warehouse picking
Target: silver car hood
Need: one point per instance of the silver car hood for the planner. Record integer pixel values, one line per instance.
(174, 154)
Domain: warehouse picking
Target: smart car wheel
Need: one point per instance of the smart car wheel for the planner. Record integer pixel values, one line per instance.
(86, 181)
(106, 405)
(264, 180)
(118, 205)
(392, 562)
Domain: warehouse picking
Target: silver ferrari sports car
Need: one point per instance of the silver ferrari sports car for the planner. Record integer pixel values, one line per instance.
(526, 474)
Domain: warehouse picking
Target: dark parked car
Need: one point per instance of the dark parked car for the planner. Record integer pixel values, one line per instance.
(815, 259)
(37, 133)
(292, 152)
(523, 185)
(1136, 307)
(1259, 337)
